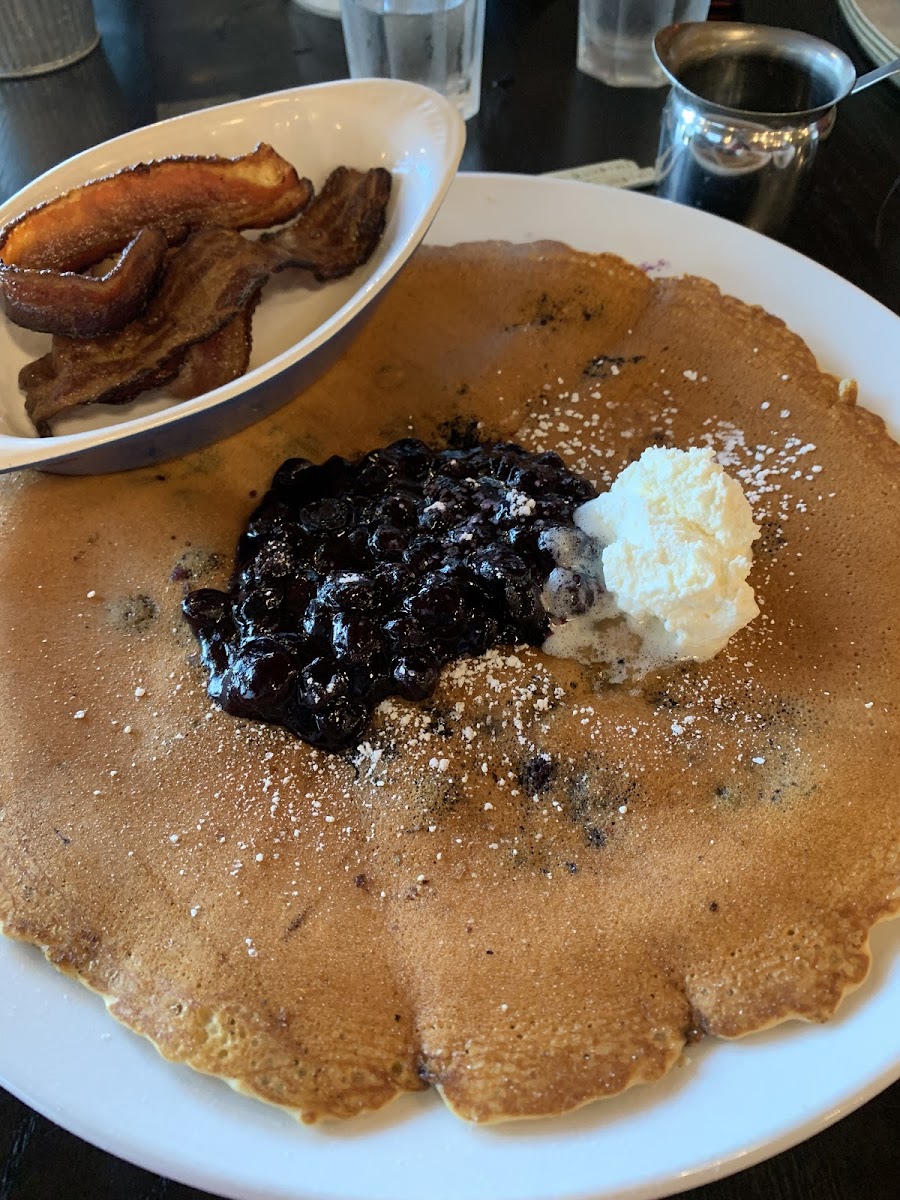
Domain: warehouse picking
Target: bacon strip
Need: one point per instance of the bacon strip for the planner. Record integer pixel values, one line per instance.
(176, 195)
(205, 286)
(218, 360)
(342, 226)
(84, 306)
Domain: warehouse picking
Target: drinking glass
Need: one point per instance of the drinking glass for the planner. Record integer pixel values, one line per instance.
(615, 37)
(435, 42)
(39, 36)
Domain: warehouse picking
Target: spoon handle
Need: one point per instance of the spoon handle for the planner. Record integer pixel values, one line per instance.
(864, 81)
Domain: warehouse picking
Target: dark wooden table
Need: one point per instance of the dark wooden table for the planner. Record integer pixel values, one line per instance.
(163, 57)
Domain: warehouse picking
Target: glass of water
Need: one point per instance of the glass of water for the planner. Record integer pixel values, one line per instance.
(615, 37)
(435, 42)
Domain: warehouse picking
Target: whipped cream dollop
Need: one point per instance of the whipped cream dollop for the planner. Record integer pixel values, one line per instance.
(668, 548)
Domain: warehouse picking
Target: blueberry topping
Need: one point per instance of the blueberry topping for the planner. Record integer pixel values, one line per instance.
(404, 631)
(326, 516)
(355, 581)
(348, 590)
(262, 673)
(206, 607)
(321, 683)
(388, 542)
(355, 638)
(436, 603)
(408, 459)
(415, 674)
(296, 479)
(340, 724)
(569, 593)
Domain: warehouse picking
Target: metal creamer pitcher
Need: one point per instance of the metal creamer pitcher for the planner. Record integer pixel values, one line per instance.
(748, 108)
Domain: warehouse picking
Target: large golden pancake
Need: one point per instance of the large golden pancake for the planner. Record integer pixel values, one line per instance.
(534, 888)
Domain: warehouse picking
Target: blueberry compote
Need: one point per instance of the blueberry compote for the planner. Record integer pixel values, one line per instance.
(355, 581)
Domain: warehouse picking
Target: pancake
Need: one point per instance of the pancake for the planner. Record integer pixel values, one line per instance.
(533, 889)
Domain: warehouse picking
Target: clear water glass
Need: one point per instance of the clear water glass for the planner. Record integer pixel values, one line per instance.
(615, 37)
(438, 43)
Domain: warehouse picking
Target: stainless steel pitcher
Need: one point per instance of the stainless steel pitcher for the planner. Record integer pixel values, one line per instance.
(748, 107)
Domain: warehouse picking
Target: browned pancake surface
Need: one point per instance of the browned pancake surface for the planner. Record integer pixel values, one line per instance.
(534, 888)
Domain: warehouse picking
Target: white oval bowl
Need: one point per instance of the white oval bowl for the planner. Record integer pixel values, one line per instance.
(300, 327)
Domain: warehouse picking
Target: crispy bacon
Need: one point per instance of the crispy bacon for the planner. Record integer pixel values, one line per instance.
(218, 360)
(341, 227)
(176, 195)
(205, 286)
(84, 306)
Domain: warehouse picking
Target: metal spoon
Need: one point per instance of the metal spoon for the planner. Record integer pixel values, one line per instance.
(864, 81)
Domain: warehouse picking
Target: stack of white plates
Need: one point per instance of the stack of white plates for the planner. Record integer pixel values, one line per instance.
(876, 26)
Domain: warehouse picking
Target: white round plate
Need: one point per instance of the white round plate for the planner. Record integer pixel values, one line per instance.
(727, 1106)
(299, 326)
